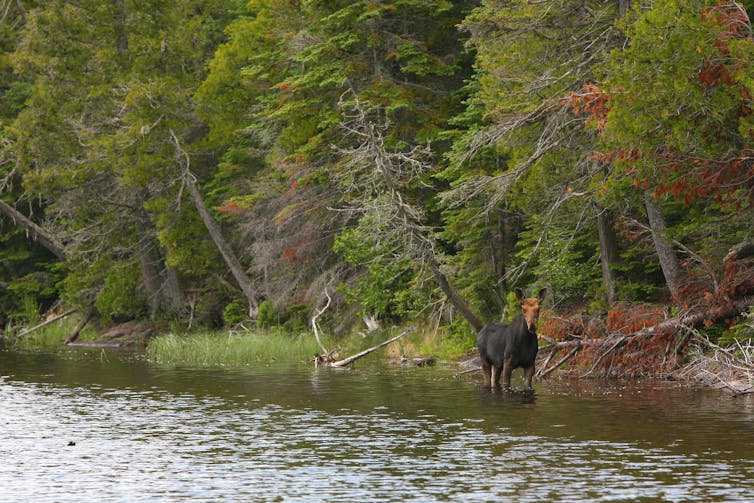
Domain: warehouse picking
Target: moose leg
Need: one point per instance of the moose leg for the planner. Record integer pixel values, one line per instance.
(528, 374)
(507, 371)
(486, 369)
(495, 377)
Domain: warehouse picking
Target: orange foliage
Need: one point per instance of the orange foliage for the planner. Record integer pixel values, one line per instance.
(624, 318)
(231, 208)
(591, 103)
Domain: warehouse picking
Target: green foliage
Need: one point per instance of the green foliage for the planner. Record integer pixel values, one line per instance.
(678, 119)
(120, 298)
(236, 312)
(742, 331)
(387, 287)
(269, 315)
(536, 118)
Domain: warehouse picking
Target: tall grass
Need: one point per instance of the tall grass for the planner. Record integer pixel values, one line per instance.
(48, 338)
(230, 349)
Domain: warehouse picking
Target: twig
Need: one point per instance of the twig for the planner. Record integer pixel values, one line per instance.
(467, 371)
(615, 346)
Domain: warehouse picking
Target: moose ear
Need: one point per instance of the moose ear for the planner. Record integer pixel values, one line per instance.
(542, 294)
(519, 294)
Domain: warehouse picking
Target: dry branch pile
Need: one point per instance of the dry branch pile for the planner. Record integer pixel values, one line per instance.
(643, 341)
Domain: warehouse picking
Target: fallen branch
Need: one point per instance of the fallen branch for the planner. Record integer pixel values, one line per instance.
(467, 371)
(560, 362)
(351, 359)
(546, 362)
(77, 331)
(693, 319)
(47, 322)
(620, 342)
(319, 312)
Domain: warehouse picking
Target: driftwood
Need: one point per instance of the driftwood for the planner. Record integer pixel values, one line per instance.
(46, 322)
(351, 359)
(315, 327)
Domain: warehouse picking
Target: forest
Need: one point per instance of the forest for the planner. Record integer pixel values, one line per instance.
(206, 162)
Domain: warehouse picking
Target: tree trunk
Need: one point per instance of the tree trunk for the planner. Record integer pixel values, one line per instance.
(121, 40)
(161, 283)
(671, 268)
(222, 245)
(213, 228)
(453, 296)
(34, 231)
(623, 6)
(608, 253)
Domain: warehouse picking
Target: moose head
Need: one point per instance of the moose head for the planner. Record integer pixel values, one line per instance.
(530, 308)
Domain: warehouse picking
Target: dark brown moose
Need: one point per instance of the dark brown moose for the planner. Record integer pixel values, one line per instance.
(504, 348)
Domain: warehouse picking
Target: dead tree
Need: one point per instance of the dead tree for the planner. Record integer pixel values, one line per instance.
(375, 171)
(215, 233)
(34, 231)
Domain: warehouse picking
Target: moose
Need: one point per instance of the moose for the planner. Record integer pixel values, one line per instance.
(504, 348)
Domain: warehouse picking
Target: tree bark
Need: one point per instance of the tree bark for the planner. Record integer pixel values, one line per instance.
(121, 40)
(623, 7)
(669, 264)
(34, 231)
(608, 253)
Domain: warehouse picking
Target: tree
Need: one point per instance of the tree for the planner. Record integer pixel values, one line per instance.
(677, 125)
(93, 142)
(291, 63)
(523, 152)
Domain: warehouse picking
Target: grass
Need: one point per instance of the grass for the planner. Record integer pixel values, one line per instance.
(239, 349)
(50, 337)
(207, 349)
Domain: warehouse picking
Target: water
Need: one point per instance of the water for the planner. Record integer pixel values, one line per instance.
(147, 433)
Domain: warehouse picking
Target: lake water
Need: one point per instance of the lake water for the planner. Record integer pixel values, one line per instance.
(273, 433)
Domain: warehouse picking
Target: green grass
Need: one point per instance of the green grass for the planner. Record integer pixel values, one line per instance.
(50, 337)
(231, 349)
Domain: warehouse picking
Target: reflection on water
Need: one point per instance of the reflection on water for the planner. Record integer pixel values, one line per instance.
(370, 434)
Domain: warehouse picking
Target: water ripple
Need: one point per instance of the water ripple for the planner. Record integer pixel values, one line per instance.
(152, 444)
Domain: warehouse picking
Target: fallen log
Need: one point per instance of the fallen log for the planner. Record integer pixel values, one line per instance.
(353, 358)
(693, 319)
(47, 322)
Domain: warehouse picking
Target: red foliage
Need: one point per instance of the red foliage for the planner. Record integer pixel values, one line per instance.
(231, 208)
(591, 103)
(625, 318)
(738, 279)
(685, 176)
(290, 255)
